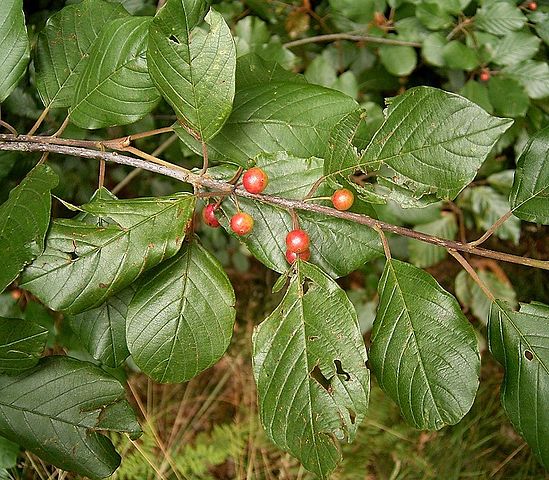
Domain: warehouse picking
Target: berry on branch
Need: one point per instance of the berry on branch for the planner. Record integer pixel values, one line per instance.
(255, 180)
(242, 223)
(343, 199)
(297, 241)
(208, 214)
(291, 257)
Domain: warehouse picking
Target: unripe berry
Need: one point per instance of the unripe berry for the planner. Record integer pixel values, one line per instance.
(291, 257)
(484, 75)
(533, 6)
(242, 223)
(297, 241)
(208, 214)
(343, 199)
(255, 180)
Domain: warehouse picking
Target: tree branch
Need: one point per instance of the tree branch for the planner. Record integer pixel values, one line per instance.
(334, 37)
(225, 188)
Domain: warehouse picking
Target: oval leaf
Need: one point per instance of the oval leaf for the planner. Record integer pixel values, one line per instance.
(63, 48)
(14, 46)
(520, 342)
(21, 344)
(114, 87)
(529, 197)
(434, 141)
(24, 220)
(309, 367)
(102, 330)
(194, 69)
(57, 409)
(424, 352)
(181, 319)
(84, 264)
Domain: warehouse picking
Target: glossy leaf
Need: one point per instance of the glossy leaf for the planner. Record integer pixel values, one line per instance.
(434, 141)
(398, 60)
(60, 60)
(338, 246)
(342, 155)
(529, 197)
(114, 87)
(14, 46)
(102, 330)
(425, 254)
(57, 410)
(8, 456)
(181, 319)
(520, 342)
(309, 367)
(508, 97)
(296, 122)
(499, 18)
(532, 75)
(24, 220)
(516, 47)
(21, 344)
(458, 56)
(424, 352)
(84, 264)
(194, 69)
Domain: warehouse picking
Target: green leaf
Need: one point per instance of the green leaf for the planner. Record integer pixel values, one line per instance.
(342, 155)
(486, 207)
(478, 93)
(84, 264)
(338, 247)
(533, 76)
(458, 56)
(8, 455)
(114, 87)
(57, 410)
(296, 122)
(425, 254)
(499, 18)
(515, 48)
(398, 60)
(24, 220)
(508, 97)
(424, 352)
(21, 344)
(102, 330)
(529, 197)
(63, 48)
(321, 71)
(472, 297)
(181, 319)
(432, 49)
(14, 46)
(433, 16)
(313, 385)
(433, 141)
(520, 342)
(193, 68)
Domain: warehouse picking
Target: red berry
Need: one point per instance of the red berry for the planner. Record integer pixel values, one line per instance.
(533, 6)
(291, 257)
(208, 214)
(242, 223)
(485, 75)
(343, 199)
(255, 180)
(297, 241)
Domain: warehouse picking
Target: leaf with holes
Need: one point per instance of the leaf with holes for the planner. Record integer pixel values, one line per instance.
(434, 142)
(194, 68)
(83, 264)
(529, 197)
(424, 352)
(309, 366)
(425, 254)
(14, 46)
(58, 409)
(296, 122)
(102, 330)
(21, 344)
(24, 220)
(337, 246)
(181, 319)
(520, 342)
(60, 59)
(114, 87)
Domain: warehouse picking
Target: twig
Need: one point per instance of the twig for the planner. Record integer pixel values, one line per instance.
(498, 223)
(205, 157)
(224, 188)
(7, 126)
(38, 122)
(384, 241)
(471, 271)
(334, 37)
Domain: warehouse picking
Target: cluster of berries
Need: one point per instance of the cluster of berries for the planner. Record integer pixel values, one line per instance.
(255, 180)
